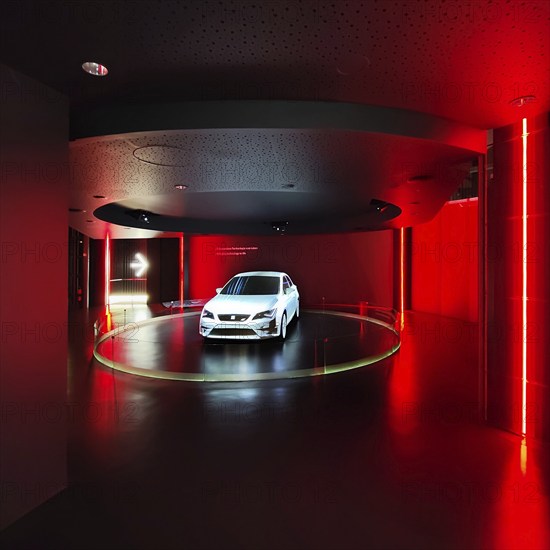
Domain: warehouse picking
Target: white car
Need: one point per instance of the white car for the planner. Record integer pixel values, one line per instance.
(252, 305)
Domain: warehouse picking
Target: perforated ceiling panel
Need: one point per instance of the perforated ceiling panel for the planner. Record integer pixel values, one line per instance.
(309, 174)
(462, 59)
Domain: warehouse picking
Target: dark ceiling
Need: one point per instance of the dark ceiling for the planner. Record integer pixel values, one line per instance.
(461, 60)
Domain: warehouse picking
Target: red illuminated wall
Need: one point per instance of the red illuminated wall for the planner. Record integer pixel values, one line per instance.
(504, 271)
(444, 257)
(33, 293)
(340, 268)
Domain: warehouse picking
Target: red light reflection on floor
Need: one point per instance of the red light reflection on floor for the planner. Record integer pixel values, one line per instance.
(519, 517)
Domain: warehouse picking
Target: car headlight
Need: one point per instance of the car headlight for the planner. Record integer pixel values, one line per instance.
(207, 314)
(265, 314)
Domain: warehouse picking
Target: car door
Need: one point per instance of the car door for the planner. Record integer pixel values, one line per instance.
(291, 295)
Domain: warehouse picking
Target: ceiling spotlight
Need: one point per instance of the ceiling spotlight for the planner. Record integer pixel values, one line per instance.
(523, 100)
(99, 196)
(76, 210)
(181, 187)
(279, 227)
(95, 69)
(142, 216)
(380, 206)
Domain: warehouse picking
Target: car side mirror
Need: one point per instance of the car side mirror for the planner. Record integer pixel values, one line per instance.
(218, 290)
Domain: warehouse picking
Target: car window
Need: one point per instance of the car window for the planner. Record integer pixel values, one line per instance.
(251, 285)
(286, 283)
(289, 280)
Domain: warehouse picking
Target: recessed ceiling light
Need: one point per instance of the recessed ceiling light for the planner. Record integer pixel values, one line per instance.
(76, 210)
(379, 206)
(181, 187)
(90, 221)
(523, 100)
(142, 216)
(279, 227)
(99, 196)
(95, 69)
(414, 202)
(288, 186)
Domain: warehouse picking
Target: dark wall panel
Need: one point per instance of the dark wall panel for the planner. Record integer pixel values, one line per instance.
(96, 283)
(33, 293)
(163, 275)
(169, 269)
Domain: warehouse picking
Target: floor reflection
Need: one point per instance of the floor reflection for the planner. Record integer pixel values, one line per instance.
(391, 456)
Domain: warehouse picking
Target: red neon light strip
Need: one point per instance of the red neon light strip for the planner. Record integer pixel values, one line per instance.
(402, 275)
(181, 270)
(107, 270)
(524, 284)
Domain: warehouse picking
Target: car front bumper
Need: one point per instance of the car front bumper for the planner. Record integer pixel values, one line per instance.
(231, 330)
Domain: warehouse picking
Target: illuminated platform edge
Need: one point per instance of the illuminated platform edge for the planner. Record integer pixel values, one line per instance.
(237, 377)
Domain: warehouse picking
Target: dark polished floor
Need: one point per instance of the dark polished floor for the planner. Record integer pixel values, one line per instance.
(390, 456)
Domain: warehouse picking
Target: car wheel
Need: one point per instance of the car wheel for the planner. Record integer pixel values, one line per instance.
(282, 332)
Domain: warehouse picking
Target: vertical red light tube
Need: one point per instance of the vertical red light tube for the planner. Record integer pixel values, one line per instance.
(524, 215)
(107, 271)
(182, 260)
(402, 276)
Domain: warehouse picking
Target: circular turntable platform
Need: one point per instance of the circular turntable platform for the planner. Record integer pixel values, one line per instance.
(320, 342)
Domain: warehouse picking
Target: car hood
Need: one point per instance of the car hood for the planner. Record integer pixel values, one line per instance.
(226, 304)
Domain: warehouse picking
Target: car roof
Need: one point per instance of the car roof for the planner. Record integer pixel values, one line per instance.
(260, 274)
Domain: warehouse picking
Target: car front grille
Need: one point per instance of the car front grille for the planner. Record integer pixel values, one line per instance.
(232, 332)
(234, 317)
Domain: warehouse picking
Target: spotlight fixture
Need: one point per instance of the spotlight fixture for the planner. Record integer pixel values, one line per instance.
(181, 187)
(95, 69)
(380, 206)
(279, 227)
(142, 216)
(99, 196)
(523, 100)
(76, 210)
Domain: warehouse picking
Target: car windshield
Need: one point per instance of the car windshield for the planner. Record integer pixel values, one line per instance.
(251, 286)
